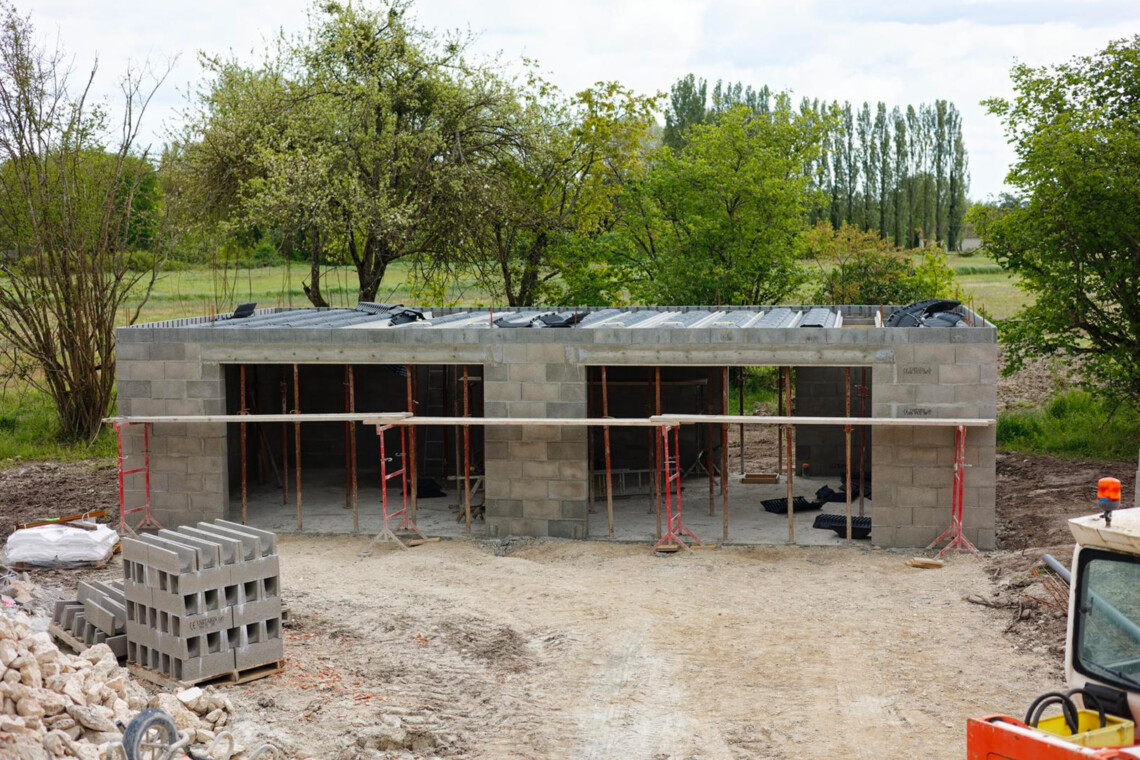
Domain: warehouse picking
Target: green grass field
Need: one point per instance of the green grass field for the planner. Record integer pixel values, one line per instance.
(189, 292)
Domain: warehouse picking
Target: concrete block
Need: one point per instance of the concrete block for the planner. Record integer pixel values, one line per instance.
(567, 489)
(540, 391)
(268, 538)
(202, 668)
(541, 433)
(251, 544)
(542, 509)
(958, 374)
(262, 653)
(231, 547)
(257, 611)
(191, 560)
(567, 529)
(528, 373)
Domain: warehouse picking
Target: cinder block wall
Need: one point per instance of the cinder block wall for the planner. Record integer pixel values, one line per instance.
(187, 460)
(819, 392)
(913, 466)
(537, 477)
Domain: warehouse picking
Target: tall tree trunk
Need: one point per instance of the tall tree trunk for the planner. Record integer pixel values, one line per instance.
(313, 286)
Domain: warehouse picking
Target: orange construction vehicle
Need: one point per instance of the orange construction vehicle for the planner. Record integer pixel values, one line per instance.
(1098, 712)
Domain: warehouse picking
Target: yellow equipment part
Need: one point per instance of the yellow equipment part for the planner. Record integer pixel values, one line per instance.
(1117, 732)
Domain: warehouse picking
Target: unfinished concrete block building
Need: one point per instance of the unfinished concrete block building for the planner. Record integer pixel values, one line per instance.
(550, 479)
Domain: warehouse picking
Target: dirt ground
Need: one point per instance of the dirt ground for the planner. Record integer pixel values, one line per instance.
(32, 490)
(566, 649)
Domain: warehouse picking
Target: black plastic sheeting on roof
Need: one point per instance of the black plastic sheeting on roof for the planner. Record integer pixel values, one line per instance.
(933, 312)
(541, 320)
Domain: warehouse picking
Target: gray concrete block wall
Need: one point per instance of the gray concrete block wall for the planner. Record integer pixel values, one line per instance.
(188, 478)
(819, 392)
(913, 474)
(536, 478)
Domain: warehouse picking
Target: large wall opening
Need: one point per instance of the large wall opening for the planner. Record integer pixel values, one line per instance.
(758, 456)
(336, 456)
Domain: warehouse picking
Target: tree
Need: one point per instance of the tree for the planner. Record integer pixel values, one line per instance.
(554, 189)
(368, 135)
(720, 221)
(69, 205)
(687, 99)
(1074, 241)
(863, 268)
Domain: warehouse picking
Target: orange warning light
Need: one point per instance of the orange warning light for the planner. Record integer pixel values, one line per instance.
(1108, 489)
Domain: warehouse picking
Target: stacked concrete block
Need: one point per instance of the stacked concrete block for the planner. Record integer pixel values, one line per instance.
(537, 481)
(203, 601)
(97, 616)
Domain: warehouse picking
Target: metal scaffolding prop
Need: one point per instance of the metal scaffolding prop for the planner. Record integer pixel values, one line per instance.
(675, 530)
(405, 523)
(957, 540)
(148, 521)
(665, 455)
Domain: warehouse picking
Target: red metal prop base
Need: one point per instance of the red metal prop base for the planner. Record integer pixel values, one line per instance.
(958, 541)
(404, 522)
(675, 530)
(148, 522)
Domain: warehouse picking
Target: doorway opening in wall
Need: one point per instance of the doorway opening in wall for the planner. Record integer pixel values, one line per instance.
(753, 459)
(337, 486)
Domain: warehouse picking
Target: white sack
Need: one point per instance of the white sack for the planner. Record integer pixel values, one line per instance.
(58, 544)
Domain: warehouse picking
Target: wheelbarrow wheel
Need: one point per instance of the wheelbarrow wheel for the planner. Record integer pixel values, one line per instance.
(149, 735)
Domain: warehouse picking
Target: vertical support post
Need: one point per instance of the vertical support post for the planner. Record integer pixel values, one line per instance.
(724, 458)
(297, 441)
(657, 408)
(740, 377)
(653, 463)
(862, 442)
(284, 441)
(244, 454)
(791, 460)
(709, 445)
(454, 371)
(412, 440)
(780, 413)
(466, 453)
(606, 444)
(347, 446)
(352, 451)
(847, 436)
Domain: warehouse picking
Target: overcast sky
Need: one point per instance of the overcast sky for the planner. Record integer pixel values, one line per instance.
(897, 51)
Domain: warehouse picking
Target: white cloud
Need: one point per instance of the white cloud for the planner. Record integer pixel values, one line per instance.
(891, 50)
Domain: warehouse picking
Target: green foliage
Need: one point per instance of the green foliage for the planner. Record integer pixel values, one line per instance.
(30, 430)
(364, 140)
(1072, 239)
(862, 268)
(720, 221)
(554, 191)
(1073, 424)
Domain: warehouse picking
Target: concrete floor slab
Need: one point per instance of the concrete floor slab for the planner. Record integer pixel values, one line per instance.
(634, 518)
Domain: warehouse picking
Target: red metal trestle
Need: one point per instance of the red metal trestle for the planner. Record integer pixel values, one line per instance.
(957, 539)
(404, 523)
(148, 522)
(675, 531)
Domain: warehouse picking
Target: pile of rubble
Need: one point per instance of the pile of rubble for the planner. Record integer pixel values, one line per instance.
(57, 705)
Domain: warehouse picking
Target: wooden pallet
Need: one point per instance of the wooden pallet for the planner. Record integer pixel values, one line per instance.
(760, 478)
(232, 678)
(66, 637)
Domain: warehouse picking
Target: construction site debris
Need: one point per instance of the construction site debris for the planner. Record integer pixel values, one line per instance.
(53, 704)
(97, 616)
